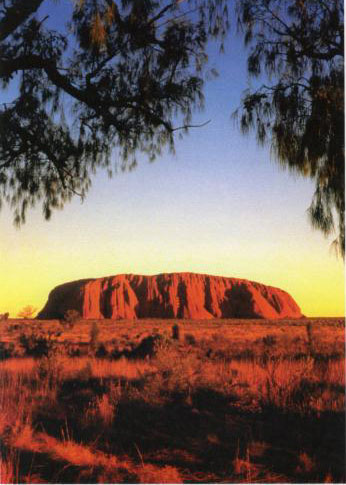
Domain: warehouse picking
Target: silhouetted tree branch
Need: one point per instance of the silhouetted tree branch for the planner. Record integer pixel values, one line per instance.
(15, 15)
(131, 71)
(299, 46)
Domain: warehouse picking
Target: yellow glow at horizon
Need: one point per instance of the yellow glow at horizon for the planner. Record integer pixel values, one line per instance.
(28, 273)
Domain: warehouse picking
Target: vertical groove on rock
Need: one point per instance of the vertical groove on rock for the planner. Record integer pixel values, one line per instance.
(105, 298)
(181, 294)
(172, 295)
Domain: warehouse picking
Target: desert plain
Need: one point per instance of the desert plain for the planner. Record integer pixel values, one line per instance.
(172, 401)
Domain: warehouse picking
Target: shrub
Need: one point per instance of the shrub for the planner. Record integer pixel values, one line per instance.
(6, 351)
(146, 348)
(190, 339)
(269, 340)
(310, 339)
(49, 369)
(175, 332)
(94, 334)
(4, 316)
(85, 373)
(9, 469)
(36, 345)
(176, 372)
(101, 409)
(101, 351)
(71, 317)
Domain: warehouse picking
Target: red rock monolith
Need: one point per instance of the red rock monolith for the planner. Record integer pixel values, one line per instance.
(170, 295)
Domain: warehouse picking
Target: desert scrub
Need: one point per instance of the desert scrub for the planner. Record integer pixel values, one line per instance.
(210, 420)
(175, 332)
(7, 350)
(71, 317)
(50, 370)
(293, 386)
(94, 335)
(102, 410)
(190, 339)
(180, 374)
(37, 345)
(174, 373)
(10, 466)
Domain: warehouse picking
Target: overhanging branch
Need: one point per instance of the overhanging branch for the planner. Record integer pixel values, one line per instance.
(18, 13)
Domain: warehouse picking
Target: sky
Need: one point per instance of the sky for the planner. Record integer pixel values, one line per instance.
(221, 205)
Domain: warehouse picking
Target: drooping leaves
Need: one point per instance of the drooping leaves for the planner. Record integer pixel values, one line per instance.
(120, 74)
(297, 45)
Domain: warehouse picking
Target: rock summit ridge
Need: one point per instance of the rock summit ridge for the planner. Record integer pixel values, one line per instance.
(169, 295)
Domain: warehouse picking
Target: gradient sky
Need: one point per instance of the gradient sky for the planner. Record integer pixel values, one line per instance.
(220, 206)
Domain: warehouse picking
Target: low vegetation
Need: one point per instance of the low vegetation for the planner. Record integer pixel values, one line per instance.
(70, 318)
(167, 402)
(27, 312)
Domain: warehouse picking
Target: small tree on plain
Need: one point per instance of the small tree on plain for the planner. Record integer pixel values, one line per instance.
(27, 312)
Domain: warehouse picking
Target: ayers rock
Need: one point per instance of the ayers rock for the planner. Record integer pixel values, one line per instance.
(171, 295)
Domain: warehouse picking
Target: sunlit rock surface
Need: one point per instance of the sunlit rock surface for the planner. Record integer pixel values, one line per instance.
(170, 295)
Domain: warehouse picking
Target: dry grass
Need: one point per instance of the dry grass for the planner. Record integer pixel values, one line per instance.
(234, 335)
(212, 408)
(9, 469)
(88, 460)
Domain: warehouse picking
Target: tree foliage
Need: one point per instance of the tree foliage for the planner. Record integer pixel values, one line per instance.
(297, 48)
(27, 312)
(120, 74)
(128, 74)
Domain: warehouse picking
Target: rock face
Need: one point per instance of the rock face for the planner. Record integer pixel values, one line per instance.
(173, 295)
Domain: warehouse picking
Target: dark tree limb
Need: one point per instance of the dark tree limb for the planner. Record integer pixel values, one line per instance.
(18, 13)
